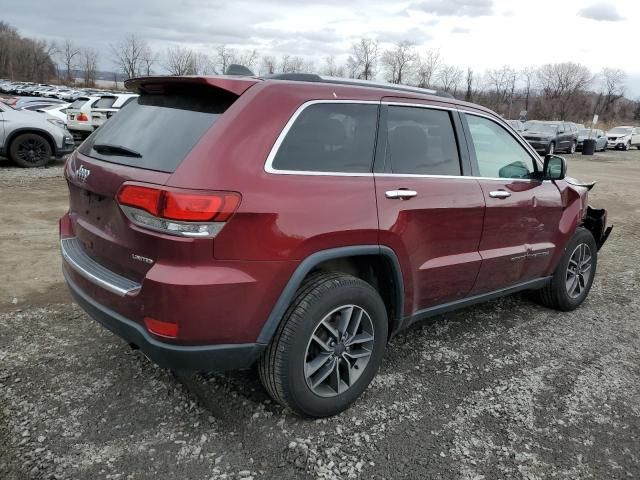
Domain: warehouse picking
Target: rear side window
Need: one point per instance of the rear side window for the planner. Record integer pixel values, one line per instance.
(156, 132)
(79, 103)
(330, 137)
(105, 102)
(421, 141)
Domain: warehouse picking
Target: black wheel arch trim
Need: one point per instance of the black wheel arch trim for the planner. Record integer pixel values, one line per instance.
(287, 295)
(39, 131)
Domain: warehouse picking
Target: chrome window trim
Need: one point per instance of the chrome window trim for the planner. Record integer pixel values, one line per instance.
(268, 167)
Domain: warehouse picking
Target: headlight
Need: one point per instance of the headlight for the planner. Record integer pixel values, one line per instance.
(56, 122)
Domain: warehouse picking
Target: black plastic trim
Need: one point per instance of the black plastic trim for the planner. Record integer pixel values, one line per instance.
(175, 357)
(317, 258)
(39, 131)
(468, 301)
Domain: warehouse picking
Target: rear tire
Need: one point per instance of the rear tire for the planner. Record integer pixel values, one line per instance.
(573, 277)
(572, 148)
(30, 150)
(330, 311)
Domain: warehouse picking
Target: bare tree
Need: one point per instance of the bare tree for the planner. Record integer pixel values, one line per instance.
(502, 85)
(449, 78)
(468, 96)
(291, 64)
(179, 60)
(132, 56)
(248, 58)
(332, 68)
(70, 55)
(612, 87)
(399, 62)
(528, 75)
(561, 83)
(89, 64)
(363, 60)
(268, 65)
(427, 69)
(225, 57)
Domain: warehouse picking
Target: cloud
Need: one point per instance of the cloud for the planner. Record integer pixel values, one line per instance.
(457, 8)
(602, 12)
(460, 30)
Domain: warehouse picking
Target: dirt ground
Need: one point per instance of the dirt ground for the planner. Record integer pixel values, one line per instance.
(500, 391)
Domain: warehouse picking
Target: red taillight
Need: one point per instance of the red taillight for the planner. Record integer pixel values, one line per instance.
(137, 196)
(198, 208)
(162, 329)
(82, 117)
(182, 206)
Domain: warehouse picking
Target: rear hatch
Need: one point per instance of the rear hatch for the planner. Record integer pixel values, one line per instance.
(145, 143)
(79, 113)
(102, 110)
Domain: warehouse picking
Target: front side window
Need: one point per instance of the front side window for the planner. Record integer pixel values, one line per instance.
(421, 141)
(499, 155)
(330, 137)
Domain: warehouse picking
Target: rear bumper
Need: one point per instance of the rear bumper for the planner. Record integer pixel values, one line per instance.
(175, 357)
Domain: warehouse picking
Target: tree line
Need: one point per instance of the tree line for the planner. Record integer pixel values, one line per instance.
(552, 91)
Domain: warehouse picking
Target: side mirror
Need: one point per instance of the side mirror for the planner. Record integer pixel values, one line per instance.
(555, 167)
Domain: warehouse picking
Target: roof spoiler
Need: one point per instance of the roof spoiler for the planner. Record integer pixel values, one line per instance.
(163, 84)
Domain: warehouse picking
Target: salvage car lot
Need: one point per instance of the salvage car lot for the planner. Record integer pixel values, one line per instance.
(504, 390)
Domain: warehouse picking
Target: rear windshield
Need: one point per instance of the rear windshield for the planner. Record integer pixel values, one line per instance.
(105, 102)
(79, 103)
(156, 132)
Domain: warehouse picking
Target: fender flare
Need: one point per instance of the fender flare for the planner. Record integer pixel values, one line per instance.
(287, 295)
(39, 131)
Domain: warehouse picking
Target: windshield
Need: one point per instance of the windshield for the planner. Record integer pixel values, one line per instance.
(621, 130)
(541, 127)
(585, 132)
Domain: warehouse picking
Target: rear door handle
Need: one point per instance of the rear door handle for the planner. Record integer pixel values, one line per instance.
(401, 194)
(499, 194)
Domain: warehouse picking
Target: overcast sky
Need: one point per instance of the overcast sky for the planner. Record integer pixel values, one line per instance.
(476, 33)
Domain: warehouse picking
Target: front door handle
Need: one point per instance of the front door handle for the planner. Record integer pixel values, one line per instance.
(401, 194)
(499, 194)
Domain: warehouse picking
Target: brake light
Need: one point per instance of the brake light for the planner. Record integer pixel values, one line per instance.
(160, 328)
(82, 117)
(179, 213)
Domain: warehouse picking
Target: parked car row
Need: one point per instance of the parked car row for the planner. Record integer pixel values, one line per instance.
(548, 137)
(60, 92)
(87, 113)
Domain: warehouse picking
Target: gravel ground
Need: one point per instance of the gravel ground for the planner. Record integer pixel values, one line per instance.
(499, 391)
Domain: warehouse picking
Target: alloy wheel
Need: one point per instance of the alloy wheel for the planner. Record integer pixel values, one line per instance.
(339, 350)
(579, 270)
(32, 150)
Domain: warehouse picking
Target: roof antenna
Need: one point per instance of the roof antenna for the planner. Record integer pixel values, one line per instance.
(241, 70)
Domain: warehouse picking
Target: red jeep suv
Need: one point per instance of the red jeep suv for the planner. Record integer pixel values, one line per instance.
(298, 222)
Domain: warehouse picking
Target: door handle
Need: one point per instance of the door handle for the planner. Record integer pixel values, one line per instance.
(401, 194)
(499, 194)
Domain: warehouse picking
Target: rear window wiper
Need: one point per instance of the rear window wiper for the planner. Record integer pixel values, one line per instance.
(111, 149)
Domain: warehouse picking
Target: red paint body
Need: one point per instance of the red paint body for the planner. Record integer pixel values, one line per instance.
(451, 240)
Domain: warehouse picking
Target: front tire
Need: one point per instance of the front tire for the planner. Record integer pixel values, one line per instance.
(573, 277)
(551, 148)
(328, 346)
(30, 150)
(627, 147)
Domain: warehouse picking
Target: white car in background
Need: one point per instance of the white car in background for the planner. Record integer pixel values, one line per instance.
(623, 137)
(109, 105)
(79, 116)
(58, 111)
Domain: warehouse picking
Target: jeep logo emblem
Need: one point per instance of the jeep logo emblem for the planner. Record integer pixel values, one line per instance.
(82, 173)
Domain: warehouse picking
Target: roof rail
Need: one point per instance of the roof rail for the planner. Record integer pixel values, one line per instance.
(312, 77)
